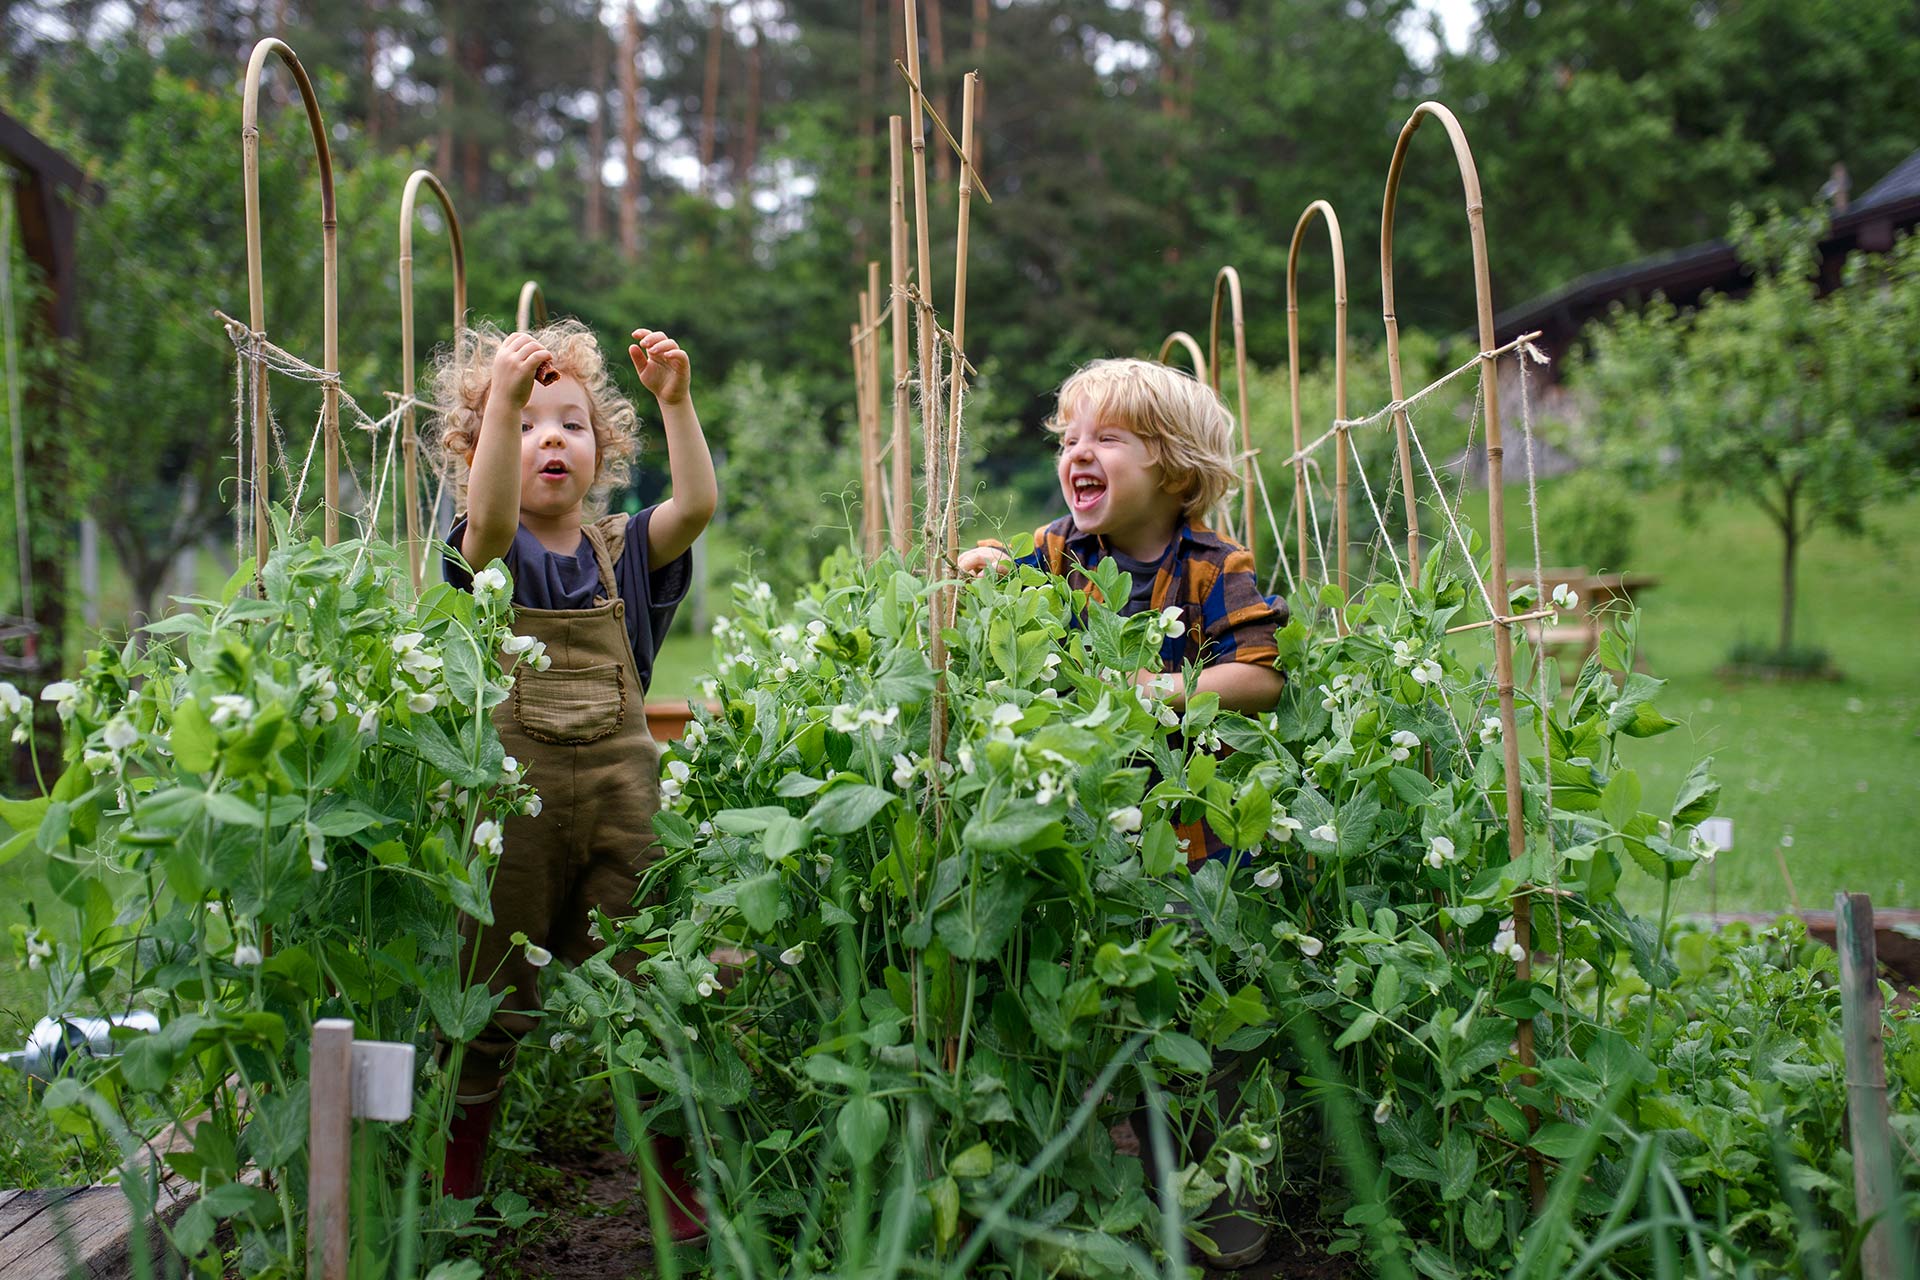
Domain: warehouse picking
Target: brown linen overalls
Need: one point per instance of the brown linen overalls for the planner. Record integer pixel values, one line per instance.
(580, 728)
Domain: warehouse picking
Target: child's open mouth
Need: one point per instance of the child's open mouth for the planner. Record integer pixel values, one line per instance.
(1086, 491)
(555, 470)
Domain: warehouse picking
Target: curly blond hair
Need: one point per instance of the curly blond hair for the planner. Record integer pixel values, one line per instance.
(1187, 427)
(462, 377)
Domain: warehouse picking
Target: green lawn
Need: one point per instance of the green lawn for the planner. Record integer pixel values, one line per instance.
(1821, 779)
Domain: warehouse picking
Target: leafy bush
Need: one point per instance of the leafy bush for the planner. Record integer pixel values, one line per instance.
(276, 814)
(1588, 518)
(898, 1019)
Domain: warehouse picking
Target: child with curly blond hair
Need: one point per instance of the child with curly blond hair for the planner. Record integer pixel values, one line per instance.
(536, 432)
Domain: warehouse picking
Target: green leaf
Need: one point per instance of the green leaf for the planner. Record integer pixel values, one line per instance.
(1359, 1030)
(1621, 800)
(1160, 849)
(1018, 826)
(984, 915)
(1386, 990)
(845, 810)
(191, 738)
(1559, 1140)
(1483, 1221)
(944, 1196)
(759, 901)
(1183, 1053)
(1698, 797)
(1458, 1163)
(975, 1162)
(862, 1128)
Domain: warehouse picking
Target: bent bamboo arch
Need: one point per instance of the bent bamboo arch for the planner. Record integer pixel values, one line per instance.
(1184, 340)
(532, 311)
(1496, 508)
(1323, 210)
(409, 440)
(1227, 281)
(256, 291)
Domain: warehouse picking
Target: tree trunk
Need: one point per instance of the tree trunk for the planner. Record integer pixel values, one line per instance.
(443, 164)
(1789, 571)
(370, 55)
(630, 134)
(981, 9)
(750, 122)
(936, 72)
(1168, 106)
(594, 221)
(710, 95)
(473, 158)
(869, 34)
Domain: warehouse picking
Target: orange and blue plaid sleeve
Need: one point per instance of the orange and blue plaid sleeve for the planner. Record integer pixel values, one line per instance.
(1238, 621)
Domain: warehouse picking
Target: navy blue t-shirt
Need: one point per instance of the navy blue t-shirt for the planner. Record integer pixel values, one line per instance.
(544, 579)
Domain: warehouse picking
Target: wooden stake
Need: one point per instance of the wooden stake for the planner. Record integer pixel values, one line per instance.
(1184, 340)
(856, 345)
(256, 291)
(949, 515)
(1876, 1190)
(1325, 210)
(929, 377)
(1227, 281)
(897, 245)
(875, 484)
(531, 313)
(1496, 520)
(416, 548)
(329, 1147)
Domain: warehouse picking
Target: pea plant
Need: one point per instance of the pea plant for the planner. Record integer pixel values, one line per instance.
(277, 812)
(915, 1008)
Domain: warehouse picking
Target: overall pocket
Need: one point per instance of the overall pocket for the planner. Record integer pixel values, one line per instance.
(571, 706)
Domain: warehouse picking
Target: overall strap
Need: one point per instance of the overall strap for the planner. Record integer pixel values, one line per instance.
(603, 558)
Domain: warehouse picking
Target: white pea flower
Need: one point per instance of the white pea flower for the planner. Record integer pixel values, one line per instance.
(844, 719)
(817, 628)
(560, 1040)
(722, 627)
(1403, 745)
(792, 955)
(369, 721)
(695, 736)
(877, 722)
(1565, 597)
(1050, 664)
(246, 955)
(542, 662)
(539, 957)
(1402, 654)
(517, 644)
(1383, 1110)
(1126, 819)
(120, 734)
(787, 634)
(1309, 945)
(13, 703)
(762, 593)
(1266, 877)
(62, 693)
(1049, 787)
(691, 1033)
(1325, 832)
(421, 703)
(903, 770)
(675, 781)
(488, 837)
(228, 707)
(489, 581)
(966, 759)
(1505, 943)
(407, 642)
(1006, 715)
(511, 769)
(1489, 730)
(709, 688)
(1332, 701)
(1169, 623)
(39, 950)
(1441, 850)
(1282, 829)
(316, 848)
(1435, 859)
(1428, 672)
(1264, 1142)
(705, 987)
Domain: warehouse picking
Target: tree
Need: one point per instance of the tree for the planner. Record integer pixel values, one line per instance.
(1795, 402)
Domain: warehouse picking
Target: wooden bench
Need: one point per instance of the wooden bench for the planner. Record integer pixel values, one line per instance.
(79, 1231)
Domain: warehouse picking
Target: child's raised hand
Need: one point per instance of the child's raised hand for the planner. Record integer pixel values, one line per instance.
(663, 367)
(977, 560)
(515, 365)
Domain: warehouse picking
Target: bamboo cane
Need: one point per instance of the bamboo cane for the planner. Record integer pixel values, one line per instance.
(1338, 248)
(409, 441)
(532, 310)
(256, 290)
(1184, 340)
(1496, 519)
(856, 346)
(949, 517)
(929, 387)
(875, 485)
(1228, 279)
(902, 475)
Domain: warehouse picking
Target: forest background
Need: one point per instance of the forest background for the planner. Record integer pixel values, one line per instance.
(718, 168)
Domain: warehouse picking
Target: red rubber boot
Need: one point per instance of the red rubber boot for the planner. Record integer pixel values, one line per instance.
(467, 1148)
(686, 1215)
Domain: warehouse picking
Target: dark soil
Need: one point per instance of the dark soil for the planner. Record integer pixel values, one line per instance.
(595, 1226)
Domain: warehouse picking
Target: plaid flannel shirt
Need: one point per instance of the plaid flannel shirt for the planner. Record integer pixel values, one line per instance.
(1211, 579)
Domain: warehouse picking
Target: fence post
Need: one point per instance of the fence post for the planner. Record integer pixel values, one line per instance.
(1874, 1190)
(329, 1148)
